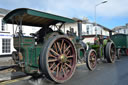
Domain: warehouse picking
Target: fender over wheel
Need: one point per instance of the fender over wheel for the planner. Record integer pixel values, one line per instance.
(91, 59)
(58, 59)
(110, 52)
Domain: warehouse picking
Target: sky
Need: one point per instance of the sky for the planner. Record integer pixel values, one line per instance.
(111, 14)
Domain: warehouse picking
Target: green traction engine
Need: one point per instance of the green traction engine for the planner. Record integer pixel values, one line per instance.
(102, 49)
(50, 52)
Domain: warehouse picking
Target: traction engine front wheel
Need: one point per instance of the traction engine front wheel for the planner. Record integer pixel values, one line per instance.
(91, 59)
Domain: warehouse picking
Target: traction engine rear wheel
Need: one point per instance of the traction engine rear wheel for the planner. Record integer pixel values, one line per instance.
(58, 59)
(91, 59)
(110, 52)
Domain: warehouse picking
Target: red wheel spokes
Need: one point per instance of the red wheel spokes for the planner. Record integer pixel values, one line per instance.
(50, 55)
(55, 67)
(62, 44)
(61, 56)
(64, 47)
(59, 48)
(67, 48)
(64, 72)
(55, 47)
(68, 65)
(52, 60)
(52, 65)
(68, 52)
(57, 72)
(69, 56)
(54, 52)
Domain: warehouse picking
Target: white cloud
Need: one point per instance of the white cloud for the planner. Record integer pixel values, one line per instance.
(73, 8)
(114, 8)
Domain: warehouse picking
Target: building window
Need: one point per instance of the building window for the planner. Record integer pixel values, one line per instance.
(6, 45)
(83, 33)
(2, 27)
(101, 32)
(124, 31)
(87, 28)
(118, 31)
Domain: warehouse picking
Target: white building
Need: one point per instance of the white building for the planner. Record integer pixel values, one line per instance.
(88, 30)
(6, 40)
(121, 29)
(91, 30)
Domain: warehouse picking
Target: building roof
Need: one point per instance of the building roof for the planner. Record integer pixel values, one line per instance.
(119, 28)
(86, 21)
(76, 19)
(4, 11)
(88, 36)
(105, 28)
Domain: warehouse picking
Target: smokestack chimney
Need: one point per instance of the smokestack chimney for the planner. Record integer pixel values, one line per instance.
(80, 29)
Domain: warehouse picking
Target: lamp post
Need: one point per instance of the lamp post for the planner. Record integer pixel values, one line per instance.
(95, 15)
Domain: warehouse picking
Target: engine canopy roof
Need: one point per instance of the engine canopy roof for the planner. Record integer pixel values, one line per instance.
(32, 17)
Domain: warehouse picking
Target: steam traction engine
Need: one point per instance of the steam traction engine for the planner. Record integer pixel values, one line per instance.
(47, 52)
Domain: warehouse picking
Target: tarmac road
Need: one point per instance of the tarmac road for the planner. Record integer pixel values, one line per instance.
(105, 74)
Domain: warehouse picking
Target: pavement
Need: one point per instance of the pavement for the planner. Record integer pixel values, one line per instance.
(6, 61)
(104, 74)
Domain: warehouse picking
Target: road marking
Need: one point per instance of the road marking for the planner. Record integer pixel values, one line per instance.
(15, 80)
(80, 64)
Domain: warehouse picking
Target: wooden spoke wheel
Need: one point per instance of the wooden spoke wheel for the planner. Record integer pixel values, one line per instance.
(91, 59)
(58, 59)
(110, 52)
